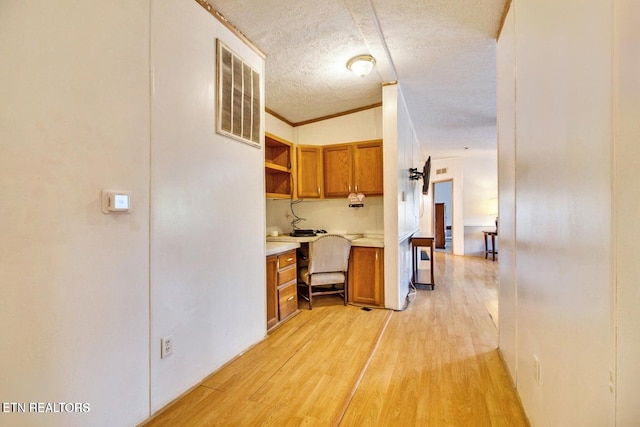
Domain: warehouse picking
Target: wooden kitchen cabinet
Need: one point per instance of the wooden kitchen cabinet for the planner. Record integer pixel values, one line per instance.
(272, 289)
(277, 167)
(353, 168)
(287, 300)
(309, 172)
(338, 170)
(367, 168)
(282, 289)
(366, 276)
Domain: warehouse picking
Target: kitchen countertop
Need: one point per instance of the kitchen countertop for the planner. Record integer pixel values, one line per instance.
(363, 240)
(274, 248)
(369, 242)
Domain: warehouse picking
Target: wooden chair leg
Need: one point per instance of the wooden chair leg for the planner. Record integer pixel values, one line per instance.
(309, 293)
(344, 287)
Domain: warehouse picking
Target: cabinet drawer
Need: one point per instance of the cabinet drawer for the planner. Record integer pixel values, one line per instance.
(286, 259)
(287, 300)
(287, 275)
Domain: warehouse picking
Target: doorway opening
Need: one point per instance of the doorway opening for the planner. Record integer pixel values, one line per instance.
(443, 215)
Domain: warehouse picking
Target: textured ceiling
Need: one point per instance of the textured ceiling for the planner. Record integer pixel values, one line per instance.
(442, 53)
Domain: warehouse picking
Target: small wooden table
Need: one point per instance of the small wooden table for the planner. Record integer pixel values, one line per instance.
(417, 241)
(490, 250)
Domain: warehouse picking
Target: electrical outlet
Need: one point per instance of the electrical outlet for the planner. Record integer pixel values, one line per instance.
(537, 372)
(166, 346)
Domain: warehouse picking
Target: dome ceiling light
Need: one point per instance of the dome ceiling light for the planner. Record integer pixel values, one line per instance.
(361, 65)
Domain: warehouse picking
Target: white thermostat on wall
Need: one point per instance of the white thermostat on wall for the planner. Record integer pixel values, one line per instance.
(116, 201)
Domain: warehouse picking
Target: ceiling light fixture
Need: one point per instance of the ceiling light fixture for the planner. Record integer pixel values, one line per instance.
(361, 65)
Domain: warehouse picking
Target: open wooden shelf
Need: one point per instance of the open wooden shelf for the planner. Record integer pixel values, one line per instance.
(277, 167)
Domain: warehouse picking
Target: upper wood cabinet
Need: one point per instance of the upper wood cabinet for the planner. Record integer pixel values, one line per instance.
(353, 168)
(309, 174)
(322, 171)
(367, 168)
(338, 170)
(277, 167)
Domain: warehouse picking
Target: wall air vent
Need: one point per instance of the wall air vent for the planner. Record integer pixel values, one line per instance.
(441, 171)
(239, 106)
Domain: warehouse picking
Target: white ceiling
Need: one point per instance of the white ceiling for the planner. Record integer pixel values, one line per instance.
(442, 53)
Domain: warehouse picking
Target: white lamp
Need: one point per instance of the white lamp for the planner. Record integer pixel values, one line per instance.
(361, 65)
(492, 207)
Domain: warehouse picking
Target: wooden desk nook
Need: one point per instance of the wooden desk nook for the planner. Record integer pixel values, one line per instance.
(421, 241)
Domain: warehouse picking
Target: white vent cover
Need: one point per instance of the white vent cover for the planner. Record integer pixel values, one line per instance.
(441, 171)
(238, 97)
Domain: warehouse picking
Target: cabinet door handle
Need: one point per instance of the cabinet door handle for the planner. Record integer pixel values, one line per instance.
(318, 190)
(289, 259)
(356, 188)
(290, 298)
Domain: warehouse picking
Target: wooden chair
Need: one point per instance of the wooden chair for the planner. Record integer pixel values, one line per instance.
(327, 270)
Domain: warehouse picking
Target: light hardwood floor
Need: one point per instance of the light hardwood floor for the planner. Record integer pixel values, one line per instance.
(434, 364)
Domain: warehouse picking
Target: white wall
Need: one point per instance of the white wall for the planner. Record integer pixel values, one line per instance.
(361, 126)
(333, 215)
(87, 296)
(74, 119)
(480, 186)
(277, 127)
(506, 99)
(401, 214)
(207, 208)
(563, 201)
(627, 209)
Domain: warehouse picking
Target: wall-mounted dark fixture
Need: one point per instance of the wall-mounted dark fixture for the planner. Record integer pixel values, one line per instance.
(414, 175)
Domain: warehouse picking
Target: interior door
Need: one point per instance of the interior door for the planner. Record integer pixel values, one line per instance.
(440, 226)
